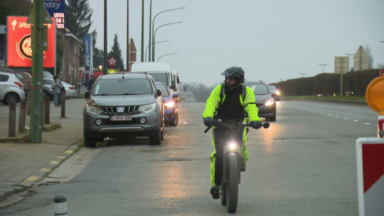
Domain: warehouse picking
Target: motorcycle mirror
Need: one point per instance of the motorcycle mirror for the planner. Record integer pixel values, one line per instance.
(266, 125)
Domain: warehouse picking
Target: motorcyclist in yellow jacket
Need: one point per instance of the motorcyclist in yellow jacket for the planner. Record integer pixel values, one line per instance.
(231, 107)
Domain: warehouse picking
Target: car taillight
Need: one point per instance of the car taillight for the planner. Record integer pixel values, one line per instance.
(71, 88)
(19, 84)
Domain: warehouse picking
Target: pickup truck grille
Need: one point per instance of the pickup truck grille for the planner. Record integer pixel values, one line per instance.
(119, 110)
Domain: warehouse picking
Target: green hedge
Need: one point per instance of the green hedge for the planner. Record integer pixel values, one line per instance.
(329, 84)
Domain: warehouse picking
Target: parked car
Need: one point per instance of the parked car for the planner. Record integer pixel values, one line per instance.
(274, 92)
(171, 116)
(11, 88)
(46, 74)
(264, 100)
(47, 88)
(25, 77)
(68, 88)
(123, 105)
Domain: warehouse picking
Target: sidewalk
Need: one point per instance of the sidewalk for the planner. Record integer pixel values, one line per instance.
(22, 165)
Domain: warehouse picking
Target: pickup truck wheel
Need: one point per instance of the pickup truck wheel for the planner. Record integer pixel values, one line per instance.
(88, 141)
(156, 139)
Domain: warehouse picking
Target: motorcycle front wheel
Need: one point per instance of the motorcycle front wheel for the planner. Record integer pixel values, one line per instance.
(223, 194)
(232, 186)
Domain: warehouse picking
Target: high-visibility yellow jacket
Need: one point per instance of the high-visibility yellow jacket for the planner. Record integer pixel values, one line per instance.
(248, 103)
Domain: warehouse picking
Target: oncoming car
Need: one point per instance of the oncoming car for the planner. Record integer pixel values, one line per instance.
(264, 101)
(171, 116)
(123, 106)
(274, 92)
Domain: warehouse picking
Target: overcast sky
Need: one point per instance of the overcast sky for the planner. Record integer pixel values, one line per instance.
(272, 40)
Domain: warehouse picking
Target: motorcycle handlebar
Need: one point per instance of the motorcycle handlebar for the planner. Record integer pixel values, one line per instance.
(265, 125)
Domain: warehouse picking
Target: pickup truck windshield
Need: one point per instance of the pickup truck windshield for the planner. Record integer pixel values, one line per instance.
(122, 87)
(160, 77)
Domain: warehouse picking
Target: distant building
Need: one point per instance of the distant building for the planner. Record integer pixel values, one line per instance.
(71, 59)
(184, 94)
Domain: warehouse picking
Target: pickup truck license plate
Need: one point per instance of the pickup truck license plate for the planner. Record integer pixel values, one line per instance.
(121, 118)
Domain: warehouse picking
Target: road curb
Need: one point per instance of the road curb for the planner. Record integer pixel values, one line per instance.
(40, 174)
(325, 100)
(51, 127)
(20, 138)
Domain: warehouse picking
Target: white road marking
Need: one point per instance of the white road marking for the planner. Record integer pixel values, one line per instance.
(346, 118)
(366, 123)
(323, 113)
(330, 114)
(355, 120)
(337, 116)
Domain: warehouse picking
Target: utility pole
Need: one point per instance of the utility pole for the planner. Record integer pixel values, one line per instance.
(142, 31)
(105, 39)
(302, 74)
(323, 66)
(349, 64)
(128, 35)
(36, 121)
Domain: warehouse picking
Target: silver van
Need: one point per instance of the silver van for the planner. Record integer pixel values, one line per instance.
(123, 105)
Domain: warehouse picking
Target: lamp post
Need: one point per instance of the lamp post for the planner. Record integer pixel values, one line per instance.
(166, 55)
(323, 66)
(149, 32)
(350, 55)
(302, 74)
(142, 31)
(153, 27)
(150, 46)
(154, 36)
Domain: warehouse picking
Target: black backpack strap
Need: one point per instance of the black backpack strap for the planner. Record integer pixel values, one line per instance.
(244, 92)
(221, 93)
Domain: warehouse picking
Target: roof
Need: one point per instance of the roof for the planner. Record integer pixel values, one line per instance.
(73, 36)
(126, 75)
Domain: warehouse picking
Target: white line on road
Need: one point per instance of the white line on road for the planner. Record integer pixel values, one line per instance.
(366, 123)
(355, 120)
(346, 118)
(337, 116)
(322, 113)
(330, 114)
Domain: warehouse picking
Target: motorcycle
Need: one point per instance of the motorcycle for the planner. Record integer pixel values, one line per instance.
(231, 163)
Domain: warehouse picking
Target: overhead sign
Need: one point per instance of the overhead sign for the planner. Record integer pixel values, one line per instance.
(370, 175)
(56, 9)
(20, 43)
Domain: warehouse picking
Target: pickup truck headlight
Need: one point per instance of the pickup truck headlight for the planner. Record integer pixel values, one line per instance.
(93, 109)
(269, 102)
(147, 108)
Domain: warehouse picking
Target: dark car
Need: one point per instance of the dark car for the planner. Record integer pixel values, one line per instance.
(171, 116)
(274, 92)
(123, 106)
(264, 100)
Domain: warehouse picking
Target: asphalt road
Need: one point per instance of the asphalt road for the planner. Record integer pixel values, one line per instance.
(304, 164)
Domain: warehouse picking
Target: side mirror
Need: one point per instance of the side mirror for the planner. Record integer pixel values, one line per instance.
(87, 94)
(159, 93)
(173, 86)
(178, 80)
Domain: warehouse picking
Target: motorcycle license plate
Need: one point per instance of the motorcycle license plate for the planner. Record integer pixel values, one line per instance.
(121, 118)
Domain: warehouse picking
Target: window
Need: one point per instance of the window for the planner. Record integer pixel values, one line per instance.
(160, 77)
(123, 87)
(4, 78)
(48, 82)
(163, 89)
(259, 89)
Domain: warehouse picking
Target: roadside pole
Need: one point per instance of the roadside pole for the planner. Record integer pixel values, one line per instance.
(35, 135)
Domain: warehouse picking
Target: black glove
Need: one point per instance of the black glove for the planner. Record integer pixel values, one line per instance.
(208, 122)
(256, 124)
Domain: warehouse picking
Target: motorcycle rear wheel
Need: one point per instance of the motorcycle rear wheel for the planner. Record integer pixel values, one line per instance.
(232, 186)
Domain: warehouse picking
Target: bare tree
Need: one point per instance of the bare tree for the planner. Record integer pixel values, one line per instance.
(368, 50)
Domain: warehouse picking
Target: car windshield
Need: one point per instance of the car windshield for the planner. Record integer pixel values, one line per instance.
(122, 87)
(160, 77)
(163, 89)
(259, 89)
(46, 74)
(48, 82)
(271, 88)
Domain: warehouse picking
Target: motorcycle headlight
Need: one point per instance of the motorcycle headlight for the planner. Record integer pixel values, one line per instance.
(93, 109)
(232, 146)
(277, 92)
(269, 102)
(148, 108)
(170, 104)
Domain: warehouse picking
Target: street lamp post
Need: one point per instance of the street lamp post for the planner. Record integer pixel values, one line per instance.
(153, 27)
(149, 32)
(166, 55)
(350, 55)
(150, 46)
(323, 66)
(302, 74)
(142, 31)
(154, 36)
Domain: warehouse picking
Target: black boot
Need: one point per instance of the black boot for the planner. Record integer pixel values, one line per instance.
(215, 191)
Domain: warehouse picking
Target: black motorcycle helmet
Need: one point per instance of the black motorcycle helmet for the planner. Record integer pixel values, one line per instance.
(235, 72)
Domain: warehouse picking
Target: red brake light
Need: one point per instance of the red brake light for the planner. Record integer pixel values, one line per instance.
(19, 84)
(71, 88)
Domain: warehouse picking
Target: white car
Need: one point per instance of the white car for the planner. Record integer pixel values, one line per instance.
(11, 88)
(70, 90)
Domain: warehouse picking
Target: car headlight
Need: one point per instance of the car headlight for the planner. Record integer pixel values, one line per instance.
(93, 109)
(170, 104)
(269, 102)
(277, 92)
(148, 108)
